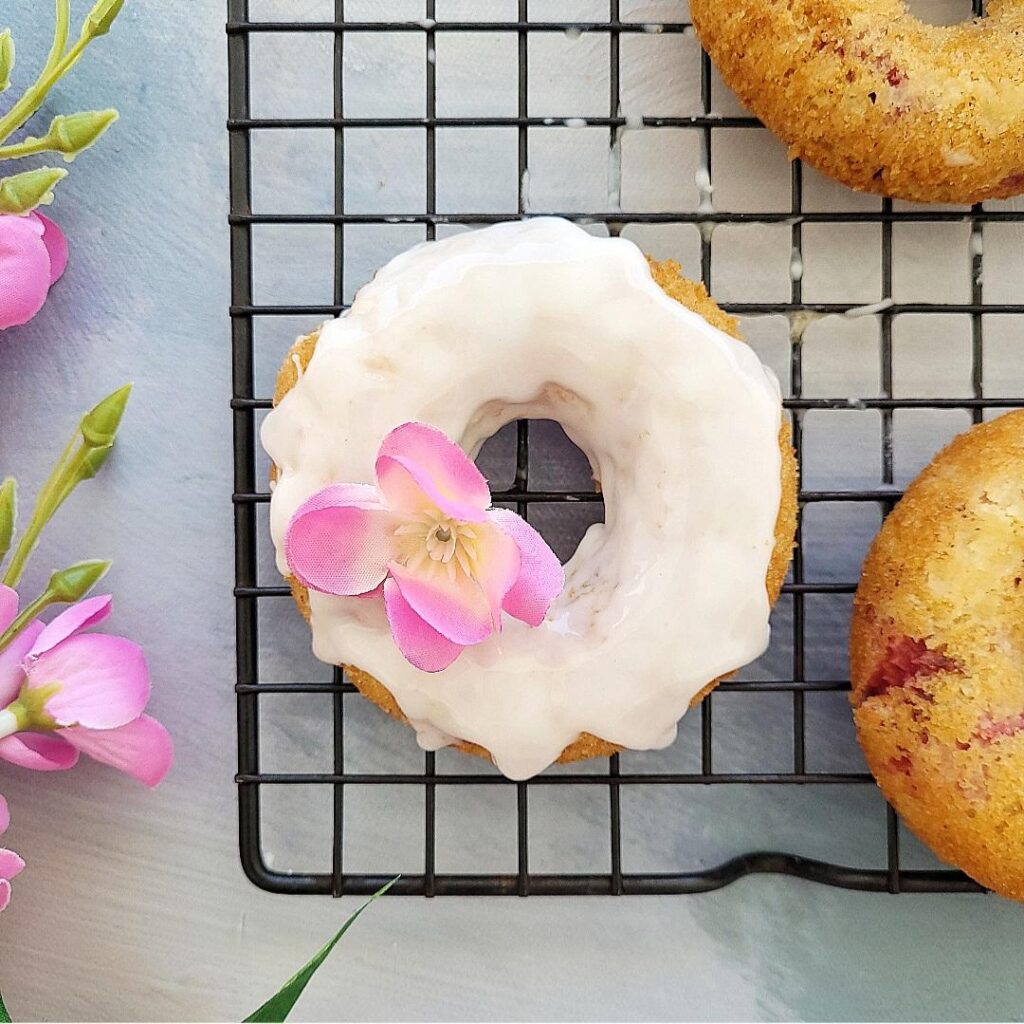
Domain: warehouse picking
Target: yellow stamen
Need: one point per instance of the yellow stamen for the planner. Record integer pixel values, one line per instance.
(432, 539)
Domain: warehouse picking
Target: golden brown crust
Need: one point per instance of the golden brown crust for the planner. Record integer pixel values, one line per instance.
(690, 294)
(937, 655)
(877, 99)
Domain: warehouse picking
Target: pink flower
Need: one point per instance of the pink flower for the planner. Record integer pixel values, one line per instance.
(33, 254)
(10, 863)
(63, 691)
(449, 563)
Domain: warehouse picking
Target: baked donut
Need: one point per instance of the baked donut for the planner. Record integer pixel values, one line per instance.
(874, 97)
(937, 655)
(683, 429)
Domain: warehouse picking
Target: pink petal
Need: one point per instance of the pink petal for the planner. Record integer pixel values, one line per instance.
(24, 269)
(456, 607)
(340, 548)
(419, 642)
(12, 674)
(11, 865)
(357, 495)
(418, 465)
(42, 752)
(8, 607)
(5, 816)
(56, 245)
(104, 681)
(73, 620)
(142, 749)
(497, 566)
(5, 894)
(541, 577)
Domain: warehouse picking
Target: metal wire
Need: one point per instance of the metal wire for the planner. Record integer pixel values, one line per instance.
(249, 492)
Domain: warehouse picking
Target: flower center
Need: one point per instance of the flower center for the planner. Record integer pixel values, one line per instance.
(29, 709)
(433, 541)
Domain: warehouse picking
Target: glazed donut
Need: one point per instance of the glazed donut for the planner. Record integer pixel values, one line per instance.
(683, 429)
(937, 655)
(870, 95)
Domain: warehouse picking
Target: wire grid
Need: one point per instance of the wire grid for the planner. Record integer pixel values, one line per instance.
(250, 491)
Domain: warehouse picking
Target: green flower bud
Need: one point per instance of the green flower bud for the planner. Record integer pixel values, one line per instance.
(8, 513)
(94, 460)
(101, 17)
(73, 583)
(22, 193)
(99, 425)
(6, 58)
(70, 135)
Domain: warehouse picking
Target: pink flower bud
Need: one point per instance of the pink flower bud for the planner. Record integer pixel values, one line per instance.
(33, 254)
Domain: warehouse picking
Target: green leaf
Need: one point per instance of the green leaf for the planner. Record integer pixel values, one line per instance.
(6, 59)
(5, 1017)
(101, 17)
(278, 1006)
(22, 193)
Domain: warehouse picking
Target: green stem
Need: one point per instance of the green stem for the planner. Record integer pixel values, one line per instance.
(81, 459)
(33, 97)
(27, 148)
(8, 514)
(61, 483)
(46, 491)
(60, 34)
(66, 586)
(43, 601)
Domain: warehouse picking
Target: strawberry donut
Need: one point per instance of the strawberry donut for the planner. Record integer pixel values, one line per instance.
(870, 95)
(937, 655)
(684, 431)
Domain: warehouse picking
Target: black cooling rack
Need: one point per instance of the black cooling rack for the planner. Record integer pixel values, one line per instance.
(250, 486)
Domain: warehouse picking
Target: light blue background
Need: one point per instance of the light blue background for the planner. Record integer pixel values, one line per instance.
(133, 905)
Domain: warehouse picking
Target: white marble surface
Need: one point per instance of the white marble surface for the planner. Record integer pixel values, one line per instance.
(134, 905)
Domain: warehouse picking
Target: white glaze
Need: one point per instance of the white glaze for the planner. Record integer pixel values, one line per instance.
(870, 309)
(539, 319)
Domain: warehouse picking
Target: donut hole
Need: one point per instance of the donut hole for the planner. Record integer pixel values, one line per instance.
(564, 524)
(941, 12)
(552, 467)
